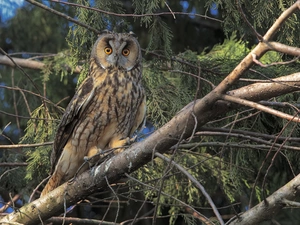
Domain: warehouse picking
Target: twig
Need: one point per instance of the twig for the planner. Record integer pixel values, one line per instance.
(15, 99)
(273, 64)
(32, 93)
(26, 145)
(25, 100)
(276, 153)
(247, 133)
(259, 36)
(11, 202)
(170, 10)
(21, 69)
(206, 220)
(118, 200)
(136, 15)
(193, 75)
(72, 220)
(196, 183)
(37, 187)
(26, 117)
(7, 171)
(64, 16)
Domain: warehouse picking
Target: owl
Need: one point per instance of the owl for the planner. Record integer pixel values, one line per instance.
(107, 109)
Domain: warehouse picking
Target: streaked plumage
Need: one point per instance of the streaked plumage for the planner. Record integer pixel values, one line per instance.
(108, 107)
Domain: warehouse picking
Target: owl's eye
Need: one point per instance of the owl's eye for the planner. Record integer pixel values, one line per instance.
(125, 52)
(108, 50)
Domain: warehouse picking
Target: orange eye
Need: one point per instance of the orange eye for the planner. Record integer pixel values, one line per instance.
(108, 50)
(125, 52)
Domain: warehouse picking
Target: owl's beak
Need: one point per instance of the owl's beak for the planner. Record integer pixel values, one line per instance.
(115, 60)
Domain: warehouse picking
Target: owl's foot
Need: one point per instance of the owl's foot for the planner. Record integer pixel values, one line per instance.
(133, 139)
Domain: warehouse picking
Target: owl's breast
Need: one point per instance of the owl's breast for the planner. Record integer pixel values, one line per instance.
(112, 109)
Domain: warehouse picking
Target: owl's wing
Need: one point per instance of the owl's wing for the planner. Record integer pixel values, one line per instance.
(71, 118)
(140, 118)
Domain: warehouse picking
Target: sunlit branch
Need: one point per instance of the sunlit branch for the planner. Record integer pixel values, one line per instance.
(260, 107)
(25, 145)
(29, 63)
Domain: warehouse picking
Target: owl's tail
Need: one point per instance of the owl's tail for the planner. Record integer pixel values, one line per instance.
(53, 183)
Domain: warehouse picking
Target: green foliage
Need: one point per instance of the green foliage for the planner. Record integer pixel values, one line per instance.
(261, 14)
(165, 95)
(39, 130)
(211, 171)
(163, 39)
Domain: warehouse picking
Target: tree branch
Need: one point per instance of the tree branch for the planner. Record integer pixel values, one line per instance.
(261, 108)
(28, 63)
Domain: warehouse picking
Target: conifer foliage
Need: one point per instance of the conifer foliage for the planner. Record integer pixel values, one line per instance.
(215, 72)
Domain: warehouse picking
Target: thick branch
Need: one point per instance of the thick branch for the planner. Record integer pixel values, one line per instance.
(279, 47)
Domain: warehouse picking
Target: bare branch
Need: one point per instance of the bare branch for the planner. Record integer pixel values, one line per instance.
(26, 145)
(261, 108)
(280, 21)
(279, 47)
(259, 36)
(28, 63)
(273, 64)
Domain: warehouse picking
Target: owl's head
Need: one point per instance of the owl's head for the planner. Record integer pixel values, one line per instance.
(120, 50)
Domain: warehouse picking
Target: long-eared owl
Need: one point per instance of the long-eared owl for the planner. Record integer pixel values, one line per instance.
(106, 110)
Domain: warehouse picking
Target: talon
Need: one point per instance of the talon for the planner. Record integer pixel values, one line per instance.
(133, 139)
